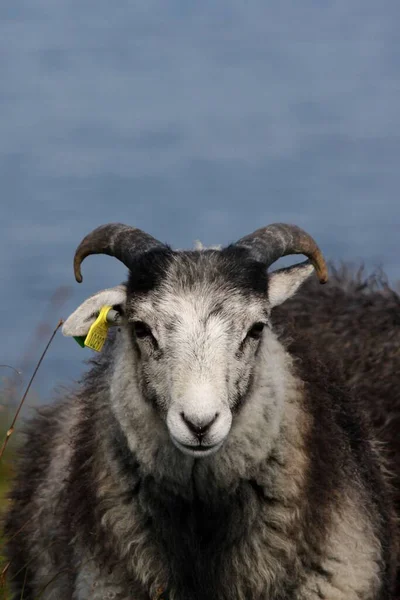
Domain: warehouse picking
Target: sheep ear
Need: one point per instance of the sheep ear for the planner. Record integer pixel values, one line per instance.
(283, 283)
(79, 323)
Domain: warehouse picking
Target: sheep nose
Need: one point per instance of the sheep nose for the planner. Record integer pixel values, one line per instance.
(199, 426)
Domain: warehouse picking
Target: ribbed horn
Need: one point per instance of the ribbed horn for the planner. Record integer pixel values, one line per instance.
(268, 244)
(115, 239)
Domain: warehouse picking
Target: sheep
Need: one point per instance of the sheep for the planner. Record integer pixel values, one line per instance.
(202, 456)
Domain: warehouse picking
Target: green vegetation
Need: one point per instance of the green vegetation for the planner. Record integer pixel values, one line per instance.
(7, 462)
(6, 473)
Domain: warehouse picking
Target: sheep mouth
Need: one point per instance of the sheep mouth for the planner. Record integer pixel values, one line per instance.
(197, 450)
(200, 447)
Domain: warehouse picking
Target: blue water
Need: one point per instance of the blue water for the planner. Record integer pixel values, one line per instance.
(192, 121)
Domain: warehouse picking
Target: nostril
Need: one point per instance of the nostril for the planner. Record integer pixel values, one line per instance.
(199, 426)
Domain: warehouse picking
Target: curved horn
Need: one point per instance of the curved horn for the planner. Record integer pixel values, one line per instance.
(270, 243)
(115, 239)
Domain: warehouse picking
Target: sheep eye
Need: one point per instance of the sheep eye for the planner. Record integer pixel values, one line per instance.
(255, 332)
(142, 330)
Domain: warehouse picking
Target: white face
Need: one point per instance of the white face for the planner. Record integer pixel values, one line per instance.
(196, 352)
(196, 325)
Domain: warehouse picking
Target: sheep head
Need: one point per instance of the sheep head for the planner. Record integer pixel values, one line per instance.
(195, 324)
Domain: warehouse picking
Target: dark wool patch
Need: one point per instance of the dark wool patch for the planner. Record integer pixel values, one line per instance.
(82, 512)
(195, 534)
(80, 490)
(357, 331)
(33, 462)
(148, 270)
(232, 267)
(80, 494)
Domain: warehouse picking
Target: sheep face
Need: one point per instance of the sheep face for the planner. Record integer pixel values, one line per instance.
(196, 323)
(196, 335)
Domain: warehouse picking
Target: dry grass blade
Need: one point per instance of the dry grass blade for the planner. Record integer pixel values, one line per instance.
(41, 333)
(3, 575)
(11, 429)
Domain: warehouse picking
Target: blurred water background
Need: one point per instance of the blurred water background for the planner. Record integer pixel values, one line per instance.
(192, 121)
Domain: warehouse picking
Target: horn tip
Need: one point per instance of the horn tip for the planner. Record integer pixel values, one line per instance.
(323, 275)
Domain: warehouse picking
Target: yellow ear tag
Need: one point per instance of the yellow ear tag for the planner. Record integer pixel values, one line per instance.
(97, 334)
